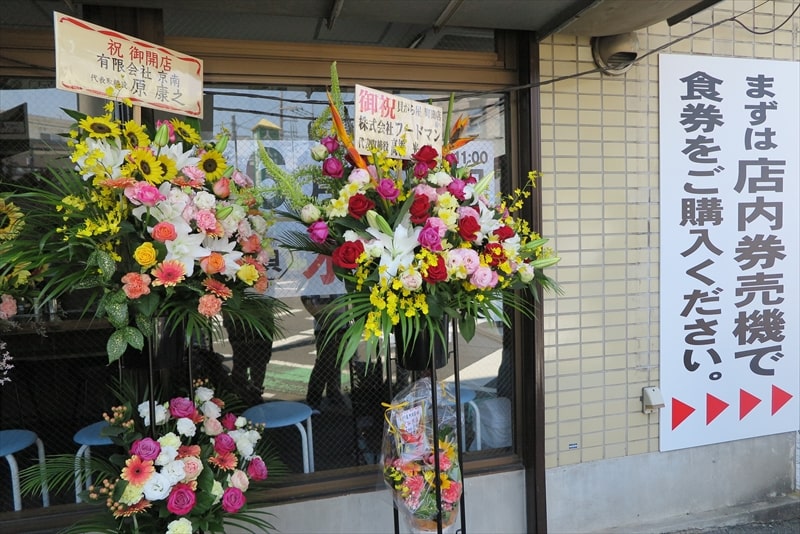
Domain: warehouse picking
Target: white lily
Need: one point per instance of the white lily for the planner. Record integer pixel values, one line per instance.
(187, 248)
(398, 248)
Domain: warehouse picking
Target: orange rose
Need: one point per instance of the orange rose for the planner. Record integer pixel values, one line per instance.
(213, 263)
(164, 231)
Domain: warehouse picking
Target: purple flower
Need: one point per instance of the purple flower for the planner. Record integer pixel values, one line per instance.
(420, 169)
(456, 188)
(388, 189)
(332, 167)
(452, 159)
(429, 238)
(146, 448)
(318, 232)
(330, 143)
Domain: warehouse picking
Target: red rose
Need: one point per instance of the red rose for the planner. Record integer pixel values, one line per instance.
(427, 155)
(504, 232)
(436, 272)
(420, 209)
(468, 228)
(359, 205)
(494, 254)
(181, 499)
(346, 256)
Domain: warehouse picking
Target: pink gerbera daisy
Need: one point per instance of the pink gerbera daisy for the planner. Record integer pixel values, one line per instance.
(137, 471)
(168, 273)
(218, 288)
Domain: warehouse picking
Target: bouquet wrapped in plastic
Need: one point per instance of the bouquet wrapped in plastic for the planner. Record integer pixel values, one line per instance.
(409, 463)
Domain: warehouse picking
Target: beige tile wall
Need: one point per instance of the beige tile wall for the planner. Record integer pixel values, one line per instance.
(600, 188)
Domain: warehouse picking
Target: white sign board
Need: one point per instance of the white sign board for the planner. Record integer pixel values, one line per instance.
(730, 248)
(385, 122)
(90, 59)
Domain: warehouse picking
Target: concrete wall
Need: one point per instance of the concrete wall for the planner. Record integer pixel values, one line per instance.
(495, 504)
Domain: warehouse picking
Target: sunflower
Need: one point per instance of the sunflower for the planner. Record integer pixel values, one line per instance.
(10, 220)
(186, 132)
(213, 164)
(148, 166)
(168, 168)
(100, 127)
(134, 135)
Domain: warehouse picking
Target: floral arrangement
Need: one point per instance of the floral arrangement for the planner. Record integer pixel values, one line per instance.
(409, 463)
(150, 222)
(190, 474)
(415, 240)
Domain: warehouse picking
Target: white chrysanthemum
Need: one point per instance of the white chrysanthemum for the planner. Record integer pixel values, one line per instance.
(186, 427)
(157, 487)
(203, 200)
(168, 454)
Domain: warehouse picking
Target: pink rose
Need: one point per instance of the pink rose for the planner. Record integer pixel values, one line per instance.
(222, 187)
(241, 179)
(463, 257)
(420, 169)
(224, 443)
(212, 427)
(146, 448)
(318, 232)
(429, 238)
(456, 188)
(192, 465)
(182, 407)
(144, 193)
(483, 278)
(181, 499)
(232, 500)
(388, 189)
(257, 469)
(8, 307)
(228, 421)
(239, 480)
(333, 167)
(452, 159)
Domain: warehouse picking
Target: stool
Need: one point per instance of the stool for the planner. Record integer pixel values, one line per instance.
(86, 437)
(279, 414)
(12, 441)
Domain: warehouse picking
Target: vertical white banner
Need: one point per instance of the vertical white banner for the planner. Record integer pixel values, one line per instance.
(730, 246)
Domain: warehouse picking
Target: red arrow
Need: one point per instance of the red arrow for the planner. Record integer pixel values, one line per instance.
(680, 411)
(779, 398)
(714, 407)
(747, 402)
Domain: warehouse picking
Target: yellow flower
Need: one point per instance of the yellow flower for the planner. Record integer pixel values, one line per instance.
(134, 135)
(147, 165)
(146, 255)
(186, 132)
(247, 274)
(100, 127)
(11, 221)
(213, 164)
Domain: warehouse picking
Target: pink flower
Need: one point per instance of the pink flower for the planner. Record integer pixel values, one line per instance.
(146, 448)
(228, 421)
(241, 179)
(415, 484)
(483, 278)
(209, 305)
(8, 307)
(212, 427)
(164, 231)
(463, 257)
(135, 285)
(257, 469)
(420, 169)
(224, 443)
(251, 245)
(222, 187)
(206, 220)
(452, 159)
(330, 143)
(182, 407)
(333, 167)
(181, 499)
(388, 189)
(239, 480)
(170, 129)
(233, 499)
(452, 493)
(195, 175)
(456, 188)
(429, 238)
(318, 232)
(192, 465)
(144, 193)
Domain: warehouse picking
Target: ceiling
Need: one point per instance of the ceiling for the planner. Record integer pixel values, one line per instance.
(432, 24)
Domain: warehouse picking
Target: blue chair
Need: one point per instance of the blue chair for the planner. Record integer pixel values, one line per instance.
(13, 441)
(277, 414)
(87, 437)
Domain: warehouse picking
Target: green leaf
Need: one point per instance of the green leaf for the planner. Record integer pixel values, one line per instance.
(117, 313)
(116, 345)
(133, 337)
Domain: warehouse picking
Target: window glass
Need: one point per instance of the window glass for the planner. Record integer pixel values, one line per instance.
(58, 382)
